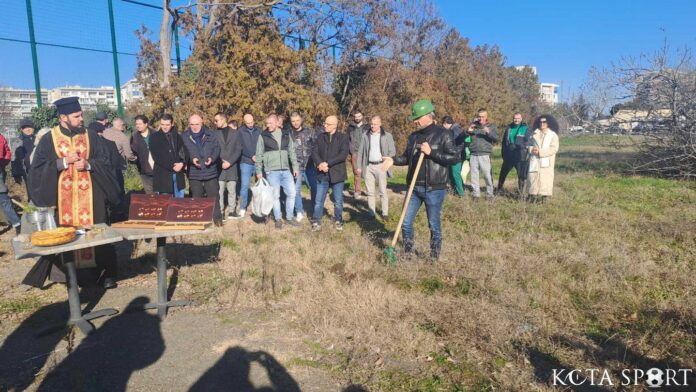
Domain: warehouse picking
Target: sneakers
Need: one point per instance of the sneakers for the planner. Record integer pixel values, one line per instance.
(316, 226)
(294, 223)
(234, 215)
(299, 216)
(338, 225)
(278, 224)
(242, 213)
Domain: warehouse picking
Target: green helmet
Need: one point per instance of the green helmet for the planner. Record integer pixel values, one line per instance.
(421, 108)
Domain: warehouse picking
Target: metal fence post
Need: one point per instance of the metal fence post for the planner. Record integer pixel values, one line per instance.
(115, 55)
(34, 59)
(176, 43)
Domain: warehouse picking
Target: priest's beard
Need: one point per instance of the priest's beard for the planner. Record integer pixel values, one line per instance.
(74, 129)
(78, 129)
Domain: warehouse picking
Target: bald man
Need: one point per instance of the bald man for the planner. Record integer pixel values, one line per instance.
(204, 152)
(249, 134)
(329, 154)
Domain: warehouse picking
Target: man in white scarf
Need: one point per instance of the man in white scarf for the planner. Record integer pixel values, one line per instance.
(543, 151)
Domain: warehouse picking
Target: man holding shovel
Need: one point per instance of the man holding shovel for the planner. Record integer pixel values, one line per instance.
(430, 152)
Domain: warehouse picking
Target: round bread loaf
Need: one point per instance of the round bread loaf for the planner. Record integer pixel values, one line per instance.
(52, 237)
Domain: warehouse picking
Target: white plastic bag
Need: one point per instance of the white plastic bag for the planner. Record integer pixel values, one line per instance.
(262, 202)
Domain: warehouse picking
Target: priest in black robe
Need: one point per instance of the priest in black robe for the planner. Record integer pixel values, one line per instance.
(72, 171)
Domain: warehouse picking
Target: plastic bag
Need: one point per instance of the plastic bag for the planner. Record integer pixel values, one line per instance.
(262, 202)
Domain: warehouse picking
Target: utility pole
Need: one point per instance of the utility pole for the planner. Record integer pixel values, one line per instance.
(34, 59)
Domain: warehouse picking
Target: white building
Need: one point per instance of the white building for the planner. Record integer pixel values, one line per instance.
(522, 67)
(131, 91)
(89, 96)
(16, 104)
(549, 93)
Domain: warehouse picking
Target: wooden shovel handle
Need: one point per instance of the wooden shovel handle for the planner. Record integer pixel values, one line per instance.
(408, 198)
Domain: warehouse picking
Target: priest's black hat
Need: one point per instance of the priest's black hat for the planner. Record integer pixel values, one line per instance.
(68, 105)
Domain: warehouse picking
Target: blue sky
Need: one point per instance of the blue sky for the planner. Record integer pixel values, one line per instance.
(563, 39)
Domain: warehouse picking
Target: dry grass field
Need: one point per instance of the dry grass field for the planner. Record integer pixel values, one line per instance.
(600, 277)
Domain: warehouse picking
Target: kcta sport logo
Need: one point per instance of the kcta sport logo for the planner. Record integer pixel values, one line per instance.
(652, 378)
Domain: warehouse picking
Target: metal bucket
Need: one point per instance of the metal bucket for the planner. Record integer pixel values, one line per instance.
(41, 219)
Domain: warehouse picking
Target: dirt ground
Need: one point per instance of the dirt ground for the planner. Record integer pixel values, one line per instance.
(197, 348)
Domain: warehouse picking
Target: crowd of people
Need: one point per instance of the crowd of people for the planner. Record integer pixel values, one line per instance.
(223, 160)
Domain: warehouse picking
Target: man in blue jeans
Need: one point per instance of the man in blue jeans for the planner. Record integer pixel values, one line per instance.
(303, 138)
(329, 154)
(275, 156)
(249, 133)
(431, 180)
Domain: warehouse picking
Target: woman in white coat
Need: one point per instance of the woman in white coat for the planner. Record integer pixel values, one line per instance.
(542, 149)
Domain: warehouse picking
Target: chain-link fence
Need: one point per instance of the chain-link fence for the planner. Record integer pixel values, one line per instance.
(52, 47)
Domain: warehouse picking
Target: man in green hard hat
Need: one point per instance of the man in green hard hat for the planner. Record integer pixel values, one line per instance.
(436, 143)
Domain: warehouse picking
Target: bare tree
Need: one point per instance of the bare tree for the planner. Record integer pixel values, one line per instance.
(657, 93)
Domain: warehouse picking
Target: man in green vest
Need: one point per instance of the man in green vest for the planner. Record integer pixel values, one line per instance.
(514, 151)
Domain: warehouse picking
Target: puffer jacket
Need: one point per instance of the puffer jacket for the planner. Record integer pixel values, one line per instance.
(444, 154)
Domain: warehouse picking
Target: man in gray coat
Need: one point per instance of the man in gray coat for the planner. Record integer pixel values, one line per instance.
(230, 152)
(376, 147)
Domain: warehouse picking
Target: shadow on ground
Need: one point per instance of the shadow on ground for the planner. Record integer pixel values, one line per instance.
(614, 354)
(232, 373)
(25, 351)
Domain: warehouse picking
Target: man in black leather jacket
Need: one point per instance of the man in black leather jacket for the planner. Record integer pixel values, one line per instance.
(431, 180)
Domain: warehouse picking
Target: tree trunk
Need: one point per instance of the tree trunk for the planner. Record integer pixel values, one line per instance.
(165, 45)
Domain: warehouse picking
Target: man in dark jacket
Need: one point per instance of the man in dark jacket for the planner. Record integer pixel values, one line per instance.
(169, 155)
(116, 213)
(249, 135)
(304, 141)
(431, 180)
(140, 144)
(329, 155)
(483, 135)
(514, 151)
(355, 132)
(204, 152)
(230, 152)
(23, 151)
